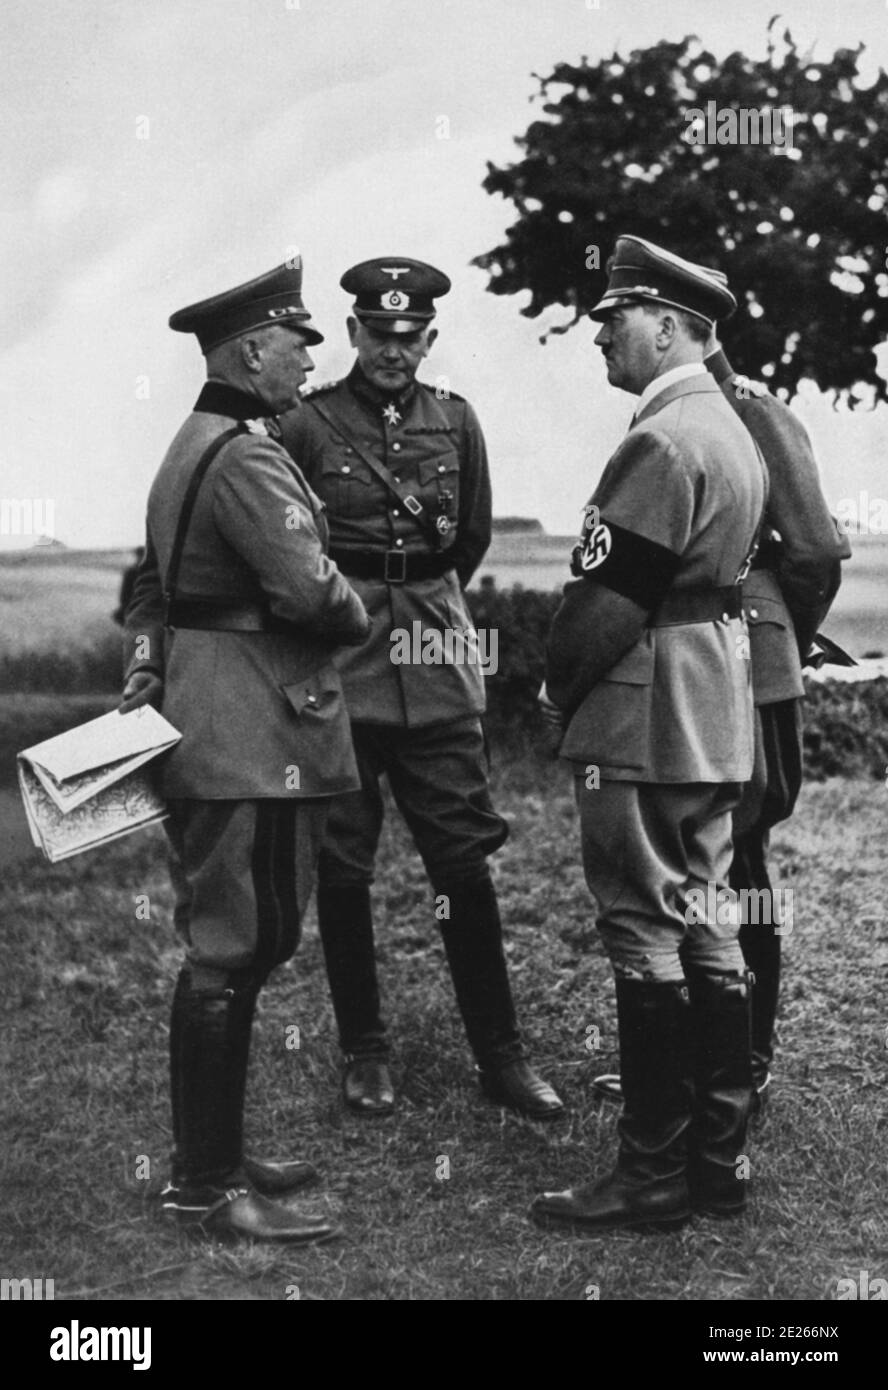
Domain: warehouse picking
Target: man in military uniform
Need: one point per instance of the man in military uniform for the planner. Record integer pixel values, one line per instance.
(403, 470)
(239, 649)
(648, 661)
(794, 577)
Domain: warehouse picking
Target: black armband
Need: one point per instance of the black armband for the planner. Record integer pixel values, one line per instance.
(627, 563)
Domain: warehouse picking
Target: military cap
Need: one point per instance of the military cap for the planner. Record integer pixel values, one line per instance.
(394, 292)
(275, 297)
(641, 271)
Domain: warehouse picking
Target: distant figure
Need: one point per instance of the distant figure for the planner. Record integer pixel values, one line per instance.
(126, 585)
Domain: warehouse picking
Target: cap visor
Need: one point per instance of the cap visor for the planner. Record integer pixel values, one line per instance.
(310, 334)
(607, 305)
(383, 324)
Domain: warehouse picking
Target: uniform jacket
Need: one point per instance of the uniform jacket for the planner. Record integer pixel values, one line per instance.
(787, 600)
(436, 447)
(251, 705)
(678, 507)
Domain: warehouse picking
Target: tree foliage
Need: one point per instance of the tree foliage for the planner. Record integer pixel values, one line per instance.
(801, 231)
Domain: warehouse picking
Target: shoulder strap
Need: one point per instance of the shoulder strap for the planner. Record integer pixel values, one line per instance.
(197, 477)
(411, 503)
(757, 537)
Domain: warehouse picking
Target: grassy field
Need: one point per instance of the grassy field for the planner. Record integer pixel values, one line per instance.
(84, 1100)
(84, 1112)
(57, 632)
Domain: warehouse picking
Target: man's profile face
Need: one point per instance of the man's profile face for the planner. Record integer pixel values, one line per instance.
(285, 365)
(389, 360)
(626, 339)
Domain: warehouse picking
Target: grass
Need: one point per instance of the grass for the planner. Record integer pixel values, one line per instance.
(84, 1100)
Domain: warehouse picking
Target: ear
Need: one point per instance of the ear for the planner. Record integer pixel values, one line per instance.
(251, 354)
(429, 341)
(353, 326)
(666, 330)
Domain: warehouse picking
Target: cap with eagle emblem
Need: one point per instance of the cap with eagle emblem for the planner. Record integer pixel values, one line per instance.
(272, 298)
(395, 293)
(639, 270)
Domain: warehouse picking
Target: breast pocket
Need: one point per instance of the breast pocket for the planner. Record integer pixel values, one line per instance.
(345, 483)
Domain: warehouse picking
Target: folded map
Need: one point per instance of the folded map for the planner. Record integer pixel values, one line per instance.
(90, 785)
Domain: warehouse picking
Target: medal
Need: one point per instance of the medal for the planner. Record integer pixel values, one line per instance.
(443, 525)
(391, 415)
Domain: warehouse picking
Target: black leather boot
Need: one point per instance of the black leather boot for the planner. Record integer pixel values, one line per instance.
(648, 1187)
(345, 923)
(761, 951)
(723, 1077)
(473, 942)
(210, 1191)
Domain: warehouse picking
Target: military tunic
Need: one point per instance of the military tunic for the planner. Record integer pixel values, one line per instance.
(417, 722)
(435, 446)
(248, 681)
(786, 595)
(648, 656)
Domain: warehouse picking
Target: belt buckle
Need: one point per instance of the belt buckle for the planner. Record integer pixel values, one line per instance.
(399, 574)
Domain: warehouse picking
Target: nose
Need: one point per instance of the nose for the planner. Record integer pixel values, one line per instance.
(306, 361)
(602, 337)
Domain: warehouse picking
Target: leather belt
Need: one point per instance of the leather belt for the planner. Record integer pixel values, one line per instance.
(697, 606)
(391, 566)
(211, 615)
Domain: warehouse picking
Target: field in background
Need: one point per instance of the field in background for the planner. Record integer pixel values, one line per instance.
(858, 620)
(56, 629)
(56, 606)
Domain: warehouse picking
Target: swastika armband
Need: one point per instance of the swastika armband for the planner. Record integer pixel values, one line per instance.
(625, 562)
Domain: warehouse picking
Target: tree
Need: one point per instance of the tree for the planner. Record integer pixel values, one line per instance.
(799, 227)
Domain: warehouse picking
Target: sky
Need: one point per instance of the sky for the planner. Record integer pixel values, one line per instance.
(157, 151)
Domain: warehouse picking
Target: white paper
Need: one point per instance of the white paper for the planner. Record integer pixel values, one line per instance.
(111, 738)
(90, 785)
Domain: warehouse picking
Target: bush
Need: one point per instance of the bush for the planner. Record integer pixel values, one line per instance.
(846, 726)
(94, 667)
(846, 729)
(521, 619)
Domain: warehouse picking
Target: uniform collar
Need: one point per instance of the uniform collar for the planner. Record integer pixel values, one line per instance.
(660, 383)
(218, 398)
(374, 399)
(700, 383)
(718, 364)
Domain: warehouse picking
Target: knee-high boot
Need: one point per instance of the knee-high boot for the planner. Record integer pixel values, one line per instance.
(345, 923)
(210, 1188)
(473, 943)
(760, 945)
(718, 1164)
(648, 1186)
